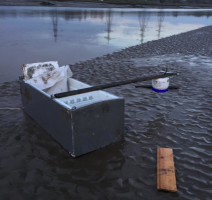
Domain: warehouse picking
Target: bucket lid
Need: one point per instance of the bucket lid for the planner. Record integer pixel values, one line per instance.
(160, 91)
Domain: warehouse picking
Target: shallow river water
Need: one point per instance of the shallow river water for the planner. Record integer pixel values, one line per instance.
(33, 166)
(69, 35)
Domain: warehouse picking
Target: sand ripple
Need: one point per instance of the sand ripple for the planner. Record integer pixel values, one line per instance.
(34, 166)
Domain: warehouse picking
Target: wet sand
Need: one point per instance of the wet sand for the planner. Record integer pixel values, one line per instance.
(34, 166)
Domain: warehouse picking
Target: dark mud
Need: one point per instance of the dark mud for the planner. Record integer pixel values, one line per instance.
(34, 166)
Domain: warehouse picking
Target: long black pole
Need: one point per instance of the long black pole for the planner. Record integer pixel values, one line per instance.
(101, 87)
(150, 86)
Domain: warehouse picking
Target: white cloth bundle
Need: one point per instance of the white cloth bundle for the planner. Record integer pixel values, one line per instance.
(52, 81)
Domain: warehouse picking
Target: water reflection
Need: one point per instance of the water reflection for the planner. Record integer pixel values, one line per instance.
(175, 13)
(143, 18)
(84, 13)
(28, 31)
(54, 22)
(160, 22)
(109, 18)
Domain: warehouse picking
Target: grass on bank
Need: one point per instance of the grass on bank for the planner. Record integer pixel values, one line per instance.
(141, 2)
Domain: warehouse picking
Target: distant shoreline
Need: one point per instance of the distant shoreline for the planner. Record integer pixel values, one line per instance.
(92, 5)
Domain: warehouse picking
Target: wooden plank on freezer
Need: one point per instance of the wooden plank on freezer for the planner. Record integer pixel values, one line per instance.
(166, 179)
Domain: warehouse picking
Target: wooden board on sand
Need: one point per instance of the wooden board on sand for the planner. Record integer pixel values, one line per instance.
(166, 179)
